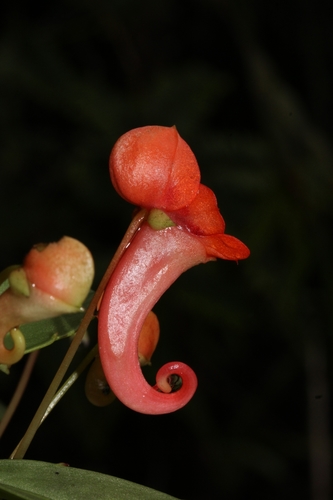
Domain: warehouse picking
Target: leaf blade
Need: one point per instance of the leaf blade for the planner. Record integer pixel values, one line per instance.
(42, 480)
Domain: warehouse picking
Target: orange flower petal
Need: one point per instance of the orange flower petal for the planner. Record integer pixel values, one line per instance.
(225, 246)
(202, 215)
(153, 167)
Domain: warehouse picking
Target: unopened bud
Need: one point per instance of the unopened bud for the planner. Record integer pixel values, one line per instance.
(148, 338)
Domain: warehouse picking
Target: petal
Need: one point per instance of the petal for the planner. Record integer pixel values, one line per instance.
(202, 215)
(225, 246)
(153, 167)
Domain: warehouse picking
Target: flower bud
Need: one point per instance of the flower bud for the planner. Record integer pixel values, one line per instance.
(64, 270)
(54, 279)
(97, 389)
(148, 338)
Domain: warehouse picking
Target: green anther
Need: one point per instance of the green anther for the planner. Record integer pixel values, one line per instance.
(157, 220)
(18, 282)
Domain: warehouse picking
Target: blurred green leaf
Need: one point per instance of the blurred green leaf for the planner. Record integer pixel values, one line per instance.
(30, 480)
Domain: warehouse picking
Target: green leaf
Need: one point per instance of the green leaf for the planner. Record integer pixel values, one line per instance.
(31, 480)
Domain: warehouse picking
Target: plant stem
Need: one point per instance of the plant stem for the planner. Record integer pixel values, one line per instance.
(24, 444)
(70, 381)
(19, 391)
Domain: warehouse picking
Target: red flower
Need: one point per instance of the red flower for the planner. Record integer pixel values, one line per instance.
(155, 169)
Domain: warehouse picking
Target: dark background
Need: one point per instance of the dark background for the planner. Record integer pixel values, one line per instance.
(248, 85)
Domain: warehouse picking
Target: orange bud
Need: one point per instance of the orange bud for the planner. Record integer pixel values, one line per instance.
(148, 338)
(64, 270)
(97, 389)
(54, 279)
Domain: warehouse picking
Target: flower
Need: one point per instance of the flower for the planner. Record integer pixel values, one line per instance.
(54, 279)
(154, 168)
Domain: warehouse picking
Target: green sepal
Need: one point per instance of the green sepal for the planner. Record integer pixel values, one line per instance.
(18, 282)
(4, 275)
(158, 220)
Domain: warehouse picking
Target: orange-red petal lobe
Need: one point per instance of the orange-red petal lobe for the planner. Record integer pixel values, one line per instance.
(202, 218)
(225, 246)
(153, 167)
(202, 215)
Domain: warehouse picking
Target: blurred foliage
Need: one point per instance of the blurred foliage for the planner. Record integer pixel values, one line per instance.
(248, 85)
